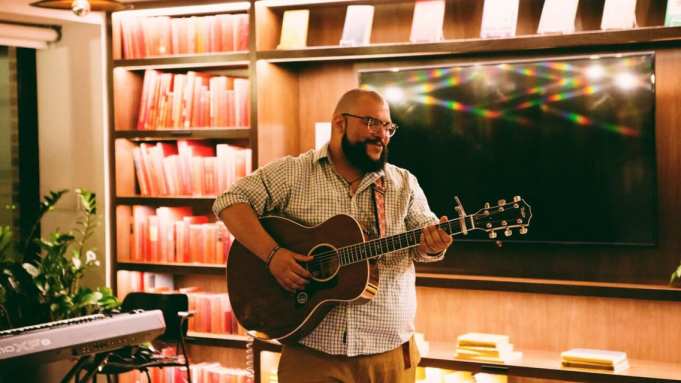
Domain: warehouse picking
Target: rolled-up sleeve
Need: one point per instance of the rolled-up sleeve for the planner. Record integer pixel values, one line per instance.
(419, 216)
(265, 190)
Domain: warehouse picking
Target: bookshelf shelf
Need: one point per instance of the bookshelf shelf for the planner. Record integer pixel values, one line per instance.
(199, 202)
(546, 365)
(591, 39)
(199, 133)
(217, 340)
(236, 59)
(547, 286)
(173, 268)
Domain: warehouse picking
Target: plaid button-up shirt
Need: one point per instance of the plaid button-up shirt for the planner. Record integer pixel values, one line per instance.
(308, 190)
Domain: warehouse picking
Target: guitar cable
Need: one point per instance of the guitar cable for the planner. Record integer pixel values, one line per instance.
(250, 364)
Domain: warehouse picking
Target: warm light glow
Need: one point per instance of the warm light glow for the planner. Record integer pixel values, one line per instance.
(625, 80)
(27, 36)
(595, 72)
(394, 94)
(190, 9)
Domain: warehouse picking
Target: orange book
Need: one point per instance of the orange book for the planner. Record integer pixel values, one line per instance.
(240, 23)
(167, 216)
(148, 85)
(210, 170)
(242, 90)
(140, 242)
(210, 239)
(151, 170)
(226, 32)
(216, 314)
(203, 303)
(199, 176)
(195, 243)
(140, 172)
(191, 298)
(152, 239)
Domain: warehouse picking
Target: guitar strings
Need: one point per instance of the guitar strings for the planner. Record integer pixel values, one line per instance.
(346, 254)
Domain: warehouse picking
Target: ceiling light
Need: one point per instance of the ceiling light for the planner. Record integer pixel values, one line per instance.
(83, 7)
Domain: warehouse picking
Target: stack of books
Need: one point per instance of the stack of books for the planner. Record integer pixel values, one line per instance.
(485, 348)
(614, 361)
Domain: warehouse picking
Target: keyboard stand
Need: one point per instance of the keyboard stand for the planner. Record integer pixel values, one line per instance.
(74, 372)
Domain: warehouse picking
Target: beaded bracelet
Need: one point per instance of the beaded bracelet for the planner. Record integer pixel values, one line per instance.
(269, 257)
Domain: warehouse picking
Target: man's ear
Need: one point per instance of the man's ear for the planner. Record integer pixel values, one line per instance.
(338, 123)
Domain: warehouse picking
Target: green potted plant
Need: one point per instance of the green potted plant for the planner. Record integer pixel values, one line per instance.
(40, 278)
(676, 276)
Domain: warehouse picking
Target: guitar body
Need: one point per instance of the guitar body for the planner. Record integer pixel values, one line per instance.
(267, 311)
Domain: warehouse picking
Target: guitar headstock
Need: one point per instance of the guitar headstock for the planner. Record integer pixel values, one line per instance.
(504, 217)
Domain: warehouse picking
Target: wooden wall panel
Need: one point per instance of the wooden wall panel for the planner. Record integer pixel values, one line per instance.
(320, 89)
(277, 118)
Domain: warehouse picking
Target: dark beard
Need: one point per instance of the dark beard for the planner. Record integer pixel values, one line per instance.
(357, 155)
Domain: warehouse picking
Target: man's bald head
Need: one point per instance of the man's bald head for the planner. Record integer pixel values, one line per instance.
(351, 99)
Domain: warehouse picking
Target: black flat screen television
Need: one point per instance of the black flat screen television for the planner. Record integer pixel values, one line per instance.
(574, 137)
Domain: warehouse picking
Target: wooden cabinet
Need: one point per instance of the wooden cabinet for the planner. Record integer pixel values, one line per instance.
(290, 90)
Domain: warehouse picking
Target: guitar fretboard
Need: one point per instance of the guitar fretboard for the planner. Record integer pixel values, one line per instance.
(377, 247)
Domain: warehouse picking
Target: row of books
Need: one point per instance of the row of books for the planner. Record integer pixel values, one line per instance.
(175, 235)
(499, 19)
(144, 37)
(189, 167)
(590, 359)
(192, 100)
(204, 372)
(486, 347)
(496, 348)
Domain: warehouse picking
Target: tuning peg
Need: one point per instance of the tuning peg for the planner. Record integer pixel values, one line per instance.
(492, 234)
(523, 230)
(516, 198)
(508, 232)
(502, 202)
(486, 205)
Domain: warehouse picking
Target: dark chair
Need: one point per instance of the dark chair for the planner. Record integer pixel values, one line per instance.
(175, 308)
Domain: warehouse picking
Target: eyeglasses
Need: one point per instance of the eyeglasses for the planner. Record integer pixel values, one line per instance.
(375, 125)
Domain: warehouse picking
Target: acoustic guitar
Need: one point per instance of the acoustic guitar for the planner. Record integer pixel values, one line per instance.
(343, 268)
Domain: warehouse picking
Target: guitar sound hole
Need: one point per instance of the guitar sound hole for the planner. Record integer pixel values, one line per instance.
(325, 263)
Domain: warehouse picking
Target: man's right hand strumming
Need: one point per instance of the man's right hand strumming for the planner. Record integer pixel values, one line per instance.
(286, 268)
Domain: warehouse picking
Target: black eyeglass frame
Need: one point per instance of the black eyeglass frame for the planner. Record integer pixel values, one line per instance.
(388, 127)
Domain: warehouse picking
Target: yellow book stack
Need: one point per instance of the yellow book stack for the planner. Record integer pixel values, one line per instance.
(484, 347)
(585, 358)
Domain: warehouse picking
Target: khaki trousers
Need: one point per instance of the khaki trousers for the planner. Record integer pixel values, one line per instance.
(301, 364)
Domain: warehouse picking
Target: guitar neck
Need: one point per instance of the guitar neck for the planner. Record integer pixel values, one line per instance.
(377, 247)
